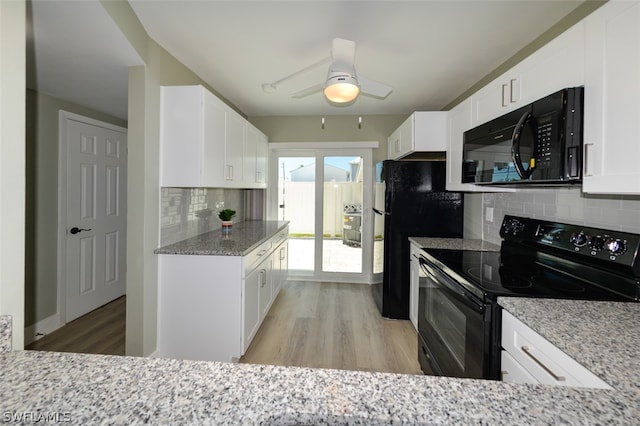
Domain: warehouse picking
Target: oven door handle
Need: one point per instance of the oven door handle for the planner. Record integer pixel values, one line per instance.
(449, 284)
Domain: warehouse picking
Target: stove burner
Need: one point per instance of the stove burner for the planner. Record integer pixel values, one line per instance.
(559, 284)
(513, 280)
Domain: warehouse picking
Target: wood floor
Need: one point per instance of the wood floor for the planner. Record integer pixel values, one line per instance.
(99, 332)
(311, 324)
(333, 325)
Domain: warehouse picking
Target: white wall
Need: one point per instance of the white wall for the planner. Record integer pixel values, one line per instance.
(12, 164)
(567, 205)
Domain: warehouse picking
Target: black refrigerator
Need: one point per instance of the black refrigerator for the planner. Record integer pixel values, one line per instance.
(412, 201)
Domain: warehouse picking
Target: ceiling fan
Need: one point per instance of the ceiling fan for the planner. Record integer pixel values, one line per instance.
(342, 85)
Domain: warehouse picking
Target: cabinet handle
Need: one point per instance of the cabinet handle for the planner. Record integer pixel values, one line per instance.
(281, 253)
(512, 90)
(261, 253)
(504, 95)
(502, 374)
(527, 352)
(229, 172)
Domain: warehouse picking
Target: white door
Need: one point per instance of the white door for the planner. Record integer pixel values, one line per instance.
(96, 216)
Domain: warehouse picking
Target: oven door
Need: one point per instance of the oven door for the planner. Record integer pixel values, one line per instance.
(454, 327)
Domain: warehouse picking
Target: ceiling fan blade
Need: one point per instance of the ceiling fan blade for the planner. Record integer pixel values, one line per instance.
(308, 91)
(374, 88)
(343, 53)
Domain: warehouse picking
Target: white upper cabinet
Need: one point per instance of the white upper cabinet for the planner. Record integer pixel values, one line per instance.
(423, 131)
(192, 137)
(556, 65)
(459, 122)
(234, 149)
(203, 142)
(612, 100)
(255, 158)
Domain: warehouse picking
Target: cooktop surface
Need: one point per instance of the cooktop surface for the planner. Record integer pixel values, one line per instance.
(492, 274)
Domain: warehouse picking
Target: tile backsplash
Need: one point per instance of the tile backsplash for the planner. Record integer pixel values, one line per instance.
(187, 212)
(568, 205)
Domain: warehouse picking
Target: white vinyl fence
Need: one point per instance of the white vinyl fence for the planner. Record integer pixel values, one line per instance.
(299, 206)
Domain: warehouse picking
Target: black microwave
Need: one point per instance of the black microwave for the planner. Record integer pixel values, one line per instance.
(540, 143)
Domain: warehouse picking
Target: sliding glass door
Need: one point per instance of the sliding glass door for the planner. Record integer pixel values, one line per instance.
(323, 194)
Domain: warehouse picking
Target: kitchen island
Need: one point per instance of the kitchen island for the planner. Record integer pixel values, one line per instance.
(215, 289)
(92, 389)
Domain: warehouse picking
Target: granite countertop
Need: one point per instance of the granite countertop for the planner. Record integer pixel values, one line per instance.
(244, 237)
(99, 389)
(454, 243)
(93, 389)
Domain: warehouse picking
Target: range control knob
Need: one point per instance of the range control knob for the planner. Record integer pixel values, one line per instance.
(580, 239)
(513, 227)
(597, 243)
(616, 246)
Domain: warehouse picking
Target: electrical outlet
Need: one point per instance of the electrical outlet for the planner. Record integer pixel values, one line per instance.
(488, 214)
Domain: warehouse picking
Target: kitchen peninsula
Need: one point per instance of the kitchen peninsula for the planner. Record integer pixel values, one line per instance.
(95, 389)
(215, 289)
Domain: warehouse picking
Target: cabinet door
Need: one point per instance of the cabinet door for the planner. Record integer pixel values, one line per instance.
(280, 267)
(495, 99)
(262, 153)
(214, 141)
(430, 131)
(266, 296)
(394, 144)
(612, 100)
(414, 283)
(255, 158)
(181, 136)
(251, 307)
(557, 65)
(234, 149)
(459, 122)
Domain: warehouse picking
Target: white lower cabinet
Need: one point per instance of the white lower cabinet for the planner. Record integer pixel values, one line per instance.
(414, 283)
(211, 307)
(530, 358)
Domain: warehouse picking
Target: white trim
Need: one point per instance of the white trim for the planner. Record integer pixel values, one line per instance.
(324, 145)
(42, 327)
(63, 118)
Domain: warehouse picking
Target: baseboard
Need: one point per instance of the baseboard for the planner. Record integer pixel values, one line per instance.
(42, 328)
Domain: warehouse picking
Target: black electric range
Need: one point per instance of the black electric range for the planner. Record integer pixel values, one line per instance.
(536, 259)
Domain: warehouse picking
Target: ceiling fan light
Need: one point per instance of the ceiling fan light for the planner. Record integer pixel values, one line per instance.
(341, 89)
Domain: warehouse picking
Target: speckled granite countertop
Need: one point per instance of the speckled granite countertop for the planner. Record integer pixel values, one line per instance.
(244, 237)
(454, 243)
(96, 389)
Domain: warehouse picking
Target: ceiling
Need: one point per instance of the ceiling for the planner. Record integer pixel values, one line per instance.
(430, 52)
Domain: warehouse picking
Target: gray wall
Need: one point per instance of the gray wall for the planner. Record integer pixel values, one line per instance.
(336, 129)
(41, 248)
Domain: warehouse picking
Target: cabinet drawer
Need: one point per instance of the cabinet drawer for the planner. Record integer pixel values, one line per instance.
(256, 256)
(512, 372)
(544, 361)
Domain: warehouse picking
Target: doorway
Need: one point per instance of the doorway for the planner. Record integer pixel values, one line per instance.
(325, 194)
(92, 214)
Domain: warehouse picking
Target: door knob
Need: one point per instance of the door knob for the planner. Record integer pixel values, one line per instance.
(75, 230)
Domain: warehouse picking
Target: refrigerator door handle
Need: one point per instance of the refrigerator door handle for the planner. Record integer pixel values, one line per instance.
(380, 212)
